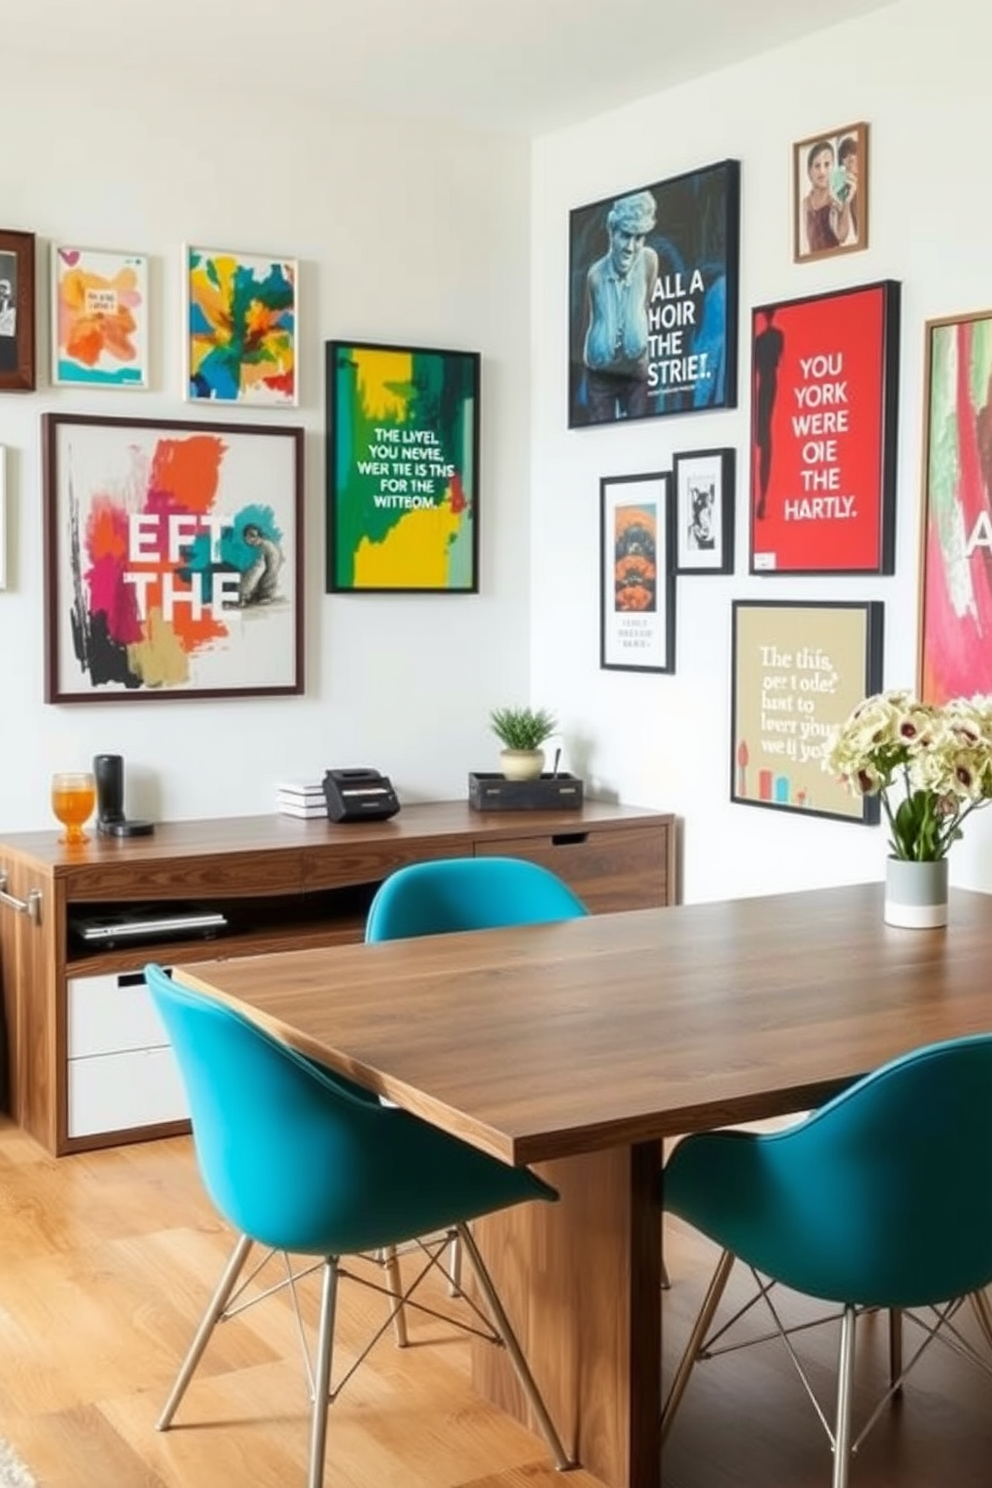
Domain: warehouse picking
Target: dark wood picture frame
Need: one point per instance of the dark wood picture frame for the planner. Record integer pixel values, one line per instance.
(174, 559)
(798, 668)
(830, 193)
(18, 330)
(402, 444)
(637, 573)
(824, 416)
(704, 511)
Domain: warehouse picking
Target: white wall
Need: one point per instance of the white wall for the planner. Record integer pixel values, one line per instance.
(918, 74)
(407, 233)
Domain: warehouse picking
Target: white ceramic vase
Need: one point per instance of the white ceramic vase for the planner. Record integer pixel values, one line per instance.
(915, 894)
(521, 764)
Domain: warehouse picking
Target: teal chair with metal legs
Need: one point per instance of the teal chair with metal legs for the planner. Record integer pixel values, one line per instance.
(300, 1160)
(879, 1199)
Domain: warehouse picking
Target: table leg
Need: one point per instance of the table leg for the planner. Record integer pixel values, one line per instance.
(581, 1281)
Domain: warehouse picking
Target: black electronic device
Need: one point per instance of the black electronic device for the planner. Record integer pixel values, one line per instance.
(359, 795)
(108, 774)
(108, 926)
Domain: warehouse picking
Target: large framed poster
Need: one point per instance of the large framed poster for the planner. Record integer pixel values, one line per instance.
(402, 469)
(798, 670)
(955, 638)
(653, 276)
(637, 573)
(173, 559)
(824, 404)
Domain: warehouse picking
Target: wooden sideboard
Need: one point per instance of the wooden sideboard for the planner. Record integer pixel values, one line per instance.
(87, 1063)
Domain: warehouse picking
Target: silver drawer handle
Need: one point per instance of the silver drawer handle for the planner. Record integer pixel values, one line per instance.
(31, 906)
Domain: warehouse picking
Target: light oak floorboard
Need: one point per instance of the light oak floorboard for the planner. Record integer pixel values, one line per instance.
(107, 1261)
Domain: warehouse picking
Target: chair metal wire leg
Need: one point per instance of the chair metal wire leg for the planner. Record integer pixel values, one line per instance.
(510, 1342)
(700, 1329)
(391, 1265)
(845, 1388)
(213, 1314)
(322, 1373)
(983, 1312)
(454, 1269)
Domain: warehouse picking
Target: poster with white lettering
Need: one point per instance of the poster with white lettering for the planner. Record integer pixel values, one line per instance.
(955, 659)
(824, 399)
(798, 671)
(174, 559)
(653, 275)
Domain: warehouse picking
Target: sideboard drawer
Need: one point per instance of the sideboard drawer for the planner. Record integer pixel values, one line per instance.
(107, 1014)
(609, 870)
(115, 1092)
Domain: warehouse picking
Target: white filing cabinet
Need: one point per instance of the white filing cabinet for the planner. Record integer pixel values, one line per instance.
(122, 1071)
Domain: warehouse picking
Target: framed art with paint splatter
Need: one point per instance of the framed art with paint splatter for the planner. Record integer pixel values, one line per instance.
(173, 559)
(99, 318)
(955, 631)
(402, 469)
(241, 317)
(798, 671)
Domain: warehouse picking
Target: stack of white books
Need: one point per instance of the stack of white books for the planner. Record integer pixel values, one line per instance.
(301, 798)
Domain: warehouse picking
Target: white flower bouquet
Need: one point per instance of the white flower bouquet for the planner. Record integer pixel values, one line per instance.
(939, 759)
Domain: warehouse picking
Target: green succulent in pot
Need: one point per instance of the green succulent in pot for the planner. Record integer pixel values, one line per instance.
(522, 731)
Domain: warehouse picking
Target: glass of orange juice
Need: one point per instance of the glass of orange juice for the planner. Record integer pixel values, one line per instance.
(73, 799)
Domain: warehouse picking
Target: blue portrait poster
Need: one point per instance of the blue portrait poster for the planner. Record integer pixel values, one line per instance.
(653, 276)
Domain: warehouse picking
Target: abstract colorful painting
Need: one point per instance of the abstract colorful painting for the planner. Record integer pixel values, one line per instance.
(637, 573)
(99, 318)
(955, 656)
(173, 559)
(798, 671)
(242, 312)
(402, 469)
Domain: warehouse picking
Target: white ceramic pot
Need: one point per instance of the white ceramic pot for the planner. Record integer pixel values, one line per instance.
(521, 764)
(915, 894)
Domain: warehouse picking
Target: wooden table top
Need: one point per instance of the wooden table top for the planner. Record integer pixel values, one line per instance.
(545, 1041)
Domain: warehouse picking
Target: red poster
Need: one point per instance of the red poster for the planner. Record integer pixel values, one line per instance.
(824, 387)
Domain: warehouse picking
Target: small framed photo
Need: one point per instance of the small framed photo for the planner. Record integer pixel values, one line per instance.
(704, 511)
(242, 314)
(402, 469)
(17, 322)
(173, 559)
(798, 670)
(637, 573)
(830, 193)
(99, 318)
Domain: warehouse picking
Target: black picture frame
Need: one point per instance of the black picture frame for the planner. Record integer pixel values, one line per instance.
(824, 427)
(704, 511)
(402, 445)
(637, 573)
(17, 312)
(653, 295)
(798, 669)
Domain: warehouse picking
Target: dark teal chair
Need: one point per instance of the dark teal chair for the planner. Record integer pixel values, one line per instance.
(303, 1161)
(880, 1199)
(448, 894)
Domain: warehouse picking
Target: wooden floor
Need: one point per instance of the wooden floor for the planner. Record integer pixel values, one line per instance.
(107, 1259)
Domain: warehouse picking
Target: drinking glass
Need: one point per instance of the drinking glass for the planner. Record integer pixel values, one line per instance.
(73, 799)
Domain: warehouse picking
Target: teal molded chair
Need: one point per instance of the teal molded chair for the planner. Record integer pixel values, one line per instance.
(302, 1161)
(448, 894)
(880, 1199)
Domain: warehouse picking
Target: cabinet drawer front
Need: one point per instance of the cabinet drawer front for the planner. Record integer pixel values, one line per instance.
(609, 870)
(108, 1014)
(112, 1092)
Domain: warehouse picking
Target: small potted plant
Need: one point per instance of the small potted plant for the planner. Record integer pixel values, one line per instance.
(522, 731)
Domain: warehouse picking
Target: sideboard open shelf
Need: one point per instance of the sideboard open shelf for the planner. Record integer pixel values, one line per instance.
(87, 1064)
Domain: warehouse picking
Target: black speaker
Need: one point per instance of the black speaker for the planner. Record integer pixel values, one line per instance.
(108, 772)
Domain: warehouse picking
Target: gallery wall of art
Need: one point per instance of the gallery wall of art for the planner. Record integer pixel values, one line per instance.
(785, 572)
(149, 214)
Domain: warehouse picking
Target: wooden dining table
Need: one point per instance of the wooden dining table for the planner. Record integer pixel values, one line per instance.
(578, 1048)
